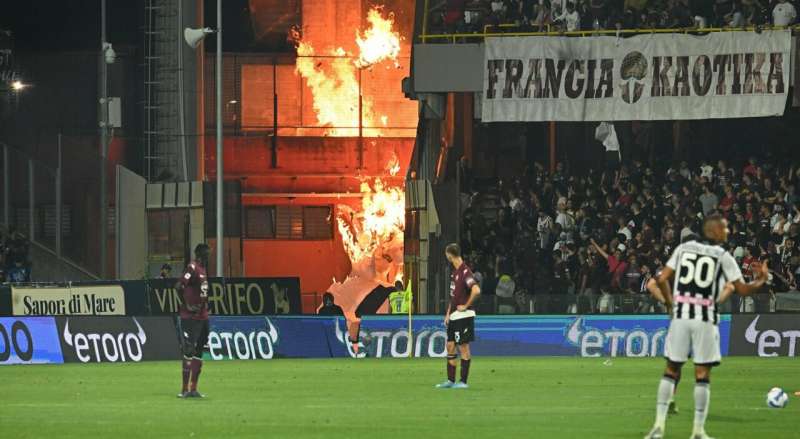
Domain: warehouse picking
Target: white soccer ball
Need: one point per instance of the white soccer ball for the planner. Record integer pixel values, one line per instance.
(777, 398)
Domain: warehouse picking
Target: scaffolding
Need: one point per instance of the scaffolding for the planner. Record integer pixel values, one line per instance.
(163, 118)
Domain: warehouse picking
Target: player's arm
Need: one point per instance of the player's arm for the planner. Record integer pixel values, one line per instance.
(663, 285)
(654, 290)
(599, 249)
(447, 315)
(747, 288)
(726, 294)
(181, 285)
(474, 292)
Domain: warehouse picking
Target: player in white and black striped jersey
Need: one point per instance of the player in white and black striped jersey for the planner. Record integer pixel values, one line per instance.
(697, 274)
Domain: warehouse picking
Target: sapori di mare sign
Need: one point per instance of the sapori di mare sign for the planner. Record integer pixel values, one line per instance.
(79, 300)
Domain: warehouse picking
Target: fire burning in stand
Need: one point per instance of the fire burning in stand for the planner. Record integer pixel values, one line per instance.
(334, 77)
(372, 234)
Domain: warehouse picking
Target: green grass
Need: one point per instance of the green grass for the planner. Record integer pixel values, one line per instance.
(509, 398)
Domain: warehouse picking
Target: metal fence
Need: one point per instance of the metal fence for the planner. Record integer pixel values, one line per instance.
(617, 304)
(266, 94)
(54, 199)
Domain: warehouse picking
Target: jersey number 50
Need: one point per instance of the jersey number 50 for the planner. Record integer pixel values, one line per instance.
(696, 271)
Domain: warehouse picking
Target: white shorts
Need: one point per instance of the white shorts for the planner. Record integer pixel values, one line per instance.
(694, 338)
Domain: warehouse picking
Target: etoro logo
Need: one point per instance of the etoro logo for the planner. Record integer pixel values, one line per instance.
(772, 343)
(428, 342)
(255, 344)
(99, 347)
(636, 342)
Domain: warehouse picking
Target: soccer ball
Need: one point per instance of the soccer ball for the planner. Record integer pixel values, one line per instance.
(777, 398)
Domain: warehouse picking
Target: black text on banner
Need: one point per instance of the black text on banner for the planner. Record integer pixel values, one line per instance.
(74, 300)
(646, 77)
(235, 296)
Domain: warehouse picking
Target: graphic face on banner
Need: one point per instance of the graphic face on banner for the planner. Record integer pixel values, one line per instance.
(632, 72)
(29, 341)
(117, 339)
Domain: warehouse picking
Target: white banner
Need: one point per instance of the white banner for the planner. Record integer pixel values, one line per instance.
(646, 77)
(84, 300)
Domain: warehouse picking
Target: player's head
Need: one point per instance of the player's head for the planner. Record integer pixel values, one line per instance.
(202, 252)
(327, 299)
(715, 228)
(453, 253)
(398, 285)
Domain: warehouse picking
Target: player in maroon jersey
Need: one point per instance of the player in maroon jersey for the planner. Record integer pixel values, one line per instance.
(194, 320)
(460, 319)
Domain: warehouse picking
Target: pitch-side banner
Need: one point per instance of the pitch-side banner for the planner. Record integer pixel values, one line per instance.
(74, 300)
(646, 77)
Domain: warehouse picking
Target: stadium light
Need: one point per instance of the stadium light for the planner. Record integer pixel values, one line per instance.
(193, 38)
(18, 85)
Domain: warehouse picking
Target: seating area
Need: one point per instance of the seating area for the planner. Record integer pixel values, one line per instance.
(586, 243)
(478, 16)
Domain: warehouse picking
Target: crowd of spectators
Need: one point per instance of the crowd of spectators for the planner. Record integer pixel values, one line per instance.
(604, 233)
(15, 264)
(464, 16)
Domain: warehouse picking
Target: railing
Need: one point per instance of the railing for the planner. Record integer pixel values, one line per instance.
(621, 304)
(54, 204)
(612, 32)
(513, 30)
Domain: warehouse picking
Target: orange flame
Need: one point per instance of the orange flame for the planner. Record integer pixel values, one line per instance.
(334, 82)
(379, 42)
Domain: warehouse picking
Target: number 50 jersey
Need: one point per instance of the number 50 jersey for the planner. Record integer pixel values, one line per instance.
(701, 271)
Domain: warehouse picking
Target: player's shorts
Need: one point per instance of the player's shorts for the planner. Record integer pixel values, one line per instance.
(194, 337)
(370, 304)
(461, 329)
(693, 337)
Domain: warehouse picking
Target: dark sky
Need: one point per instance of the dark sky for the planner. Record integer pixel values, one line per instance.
(63, 25)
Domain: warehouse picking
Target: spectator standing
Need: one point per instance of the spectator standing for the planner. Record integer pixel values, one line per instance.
(542, 17)
(709, 200)
(784, 13)
(570, 18)
(616, 264)
(329, 308)
(166, 271)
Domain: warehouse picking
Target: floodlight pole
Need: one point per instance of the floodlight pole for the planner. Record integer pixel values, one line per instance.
(220, 189)
(103, 143)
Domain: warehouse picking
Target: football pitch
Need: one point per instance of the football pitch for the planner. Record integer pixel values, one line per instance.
(383, 398)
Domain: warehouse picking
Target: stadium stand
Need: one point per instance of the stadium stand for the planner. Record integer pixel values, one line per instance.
(551, 242)
(460, 16)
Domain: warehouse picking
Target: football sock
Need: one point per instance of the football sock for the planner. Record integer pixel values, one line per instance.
(702, 399)
(665, 389)
(196, 367)
(451, 368)
(464, 370)
(186, 366)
